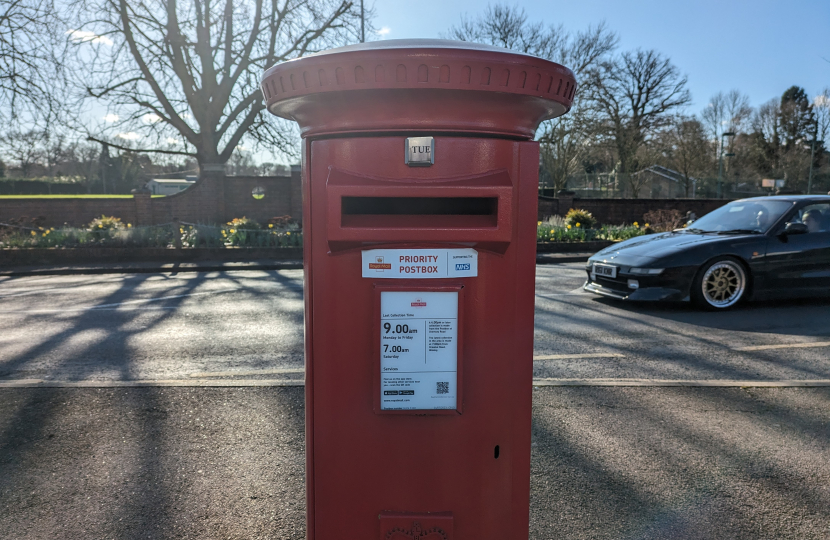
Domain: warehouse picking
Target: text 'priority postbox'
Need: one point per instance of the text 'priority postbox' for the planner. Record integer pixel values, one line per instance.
(420, 183)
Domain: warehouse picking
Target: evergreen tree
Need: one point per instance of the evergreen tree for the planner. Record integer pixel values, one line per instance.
(796, 118)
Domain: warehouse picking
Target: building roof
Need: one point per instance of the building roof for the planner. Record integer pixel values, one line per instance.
(665, 172)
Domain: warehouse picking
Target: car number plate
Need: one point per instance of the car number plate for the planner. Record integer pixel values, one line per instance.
(604, 270)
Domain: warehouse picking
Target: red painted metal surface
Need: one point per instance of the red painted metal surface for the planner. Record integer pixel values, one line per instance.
(419, 85)
(456, 473)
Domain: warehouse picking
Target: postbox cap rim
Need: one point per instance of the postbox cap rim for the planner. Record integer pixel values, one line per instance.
(393, 84)
(416, 43)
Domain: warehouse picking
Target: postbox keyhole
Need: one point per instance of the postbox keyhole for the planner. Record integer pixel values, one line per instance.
(496, 452)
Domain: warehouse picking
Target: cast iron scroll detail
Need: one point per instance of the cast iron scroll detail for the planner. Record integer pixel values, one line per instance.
(416, 533)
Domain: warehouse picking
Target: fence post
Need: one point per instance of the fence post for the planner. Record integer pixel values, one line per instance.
(143, 206)
(177, 234)
(566, 201)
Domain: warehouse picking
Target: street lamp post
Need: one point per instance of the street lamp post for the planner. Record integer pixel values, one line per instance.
(362, 24)
(720, 163)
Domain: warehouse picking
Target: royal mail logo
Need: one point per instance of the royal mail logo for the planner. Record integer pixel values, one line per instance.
(419, 303)
(379, 264)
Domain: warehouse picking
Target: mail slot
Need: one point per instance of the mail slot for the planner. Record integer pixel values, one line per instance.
(420, 182)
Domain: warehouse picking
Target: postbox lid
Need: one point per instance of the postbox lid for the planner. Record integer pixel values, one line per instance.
(419, 85)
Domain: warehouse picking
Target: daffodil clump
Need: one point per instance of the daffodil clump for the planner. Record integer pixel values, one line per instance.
(556, 230)
(113, 232)
(245, 232)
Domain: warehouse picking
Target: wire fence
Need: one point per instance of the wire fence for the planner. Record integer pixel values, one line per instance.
(650, 185)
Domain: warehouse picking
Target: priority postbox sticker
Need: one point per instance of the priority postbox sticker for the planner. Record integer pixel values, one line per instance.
(419, 263)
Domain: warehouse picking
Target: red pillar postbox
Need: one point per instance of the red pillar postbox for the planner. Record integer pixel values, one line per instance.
(420, 201)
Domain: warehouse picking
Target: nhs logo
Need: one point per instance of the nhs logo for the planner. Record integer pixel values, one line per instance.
(462, 266)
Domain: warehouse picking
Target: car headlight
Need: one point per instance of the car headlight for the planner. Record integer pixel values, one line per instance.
(646, 271)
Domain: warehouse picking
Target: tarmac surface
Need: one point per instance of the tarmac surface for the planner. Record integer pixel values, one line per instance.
(709, 429)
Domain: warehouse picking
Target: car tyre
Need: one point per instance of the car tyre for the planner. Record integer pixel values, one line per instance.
(720, 284)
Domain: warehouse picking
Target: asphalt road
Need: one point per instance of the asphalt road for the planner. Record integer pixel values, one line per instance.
(249, 325)
(643, 462)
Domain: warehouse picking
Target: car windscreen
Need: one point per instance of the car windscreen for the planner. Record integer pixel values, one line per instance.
(747, 216)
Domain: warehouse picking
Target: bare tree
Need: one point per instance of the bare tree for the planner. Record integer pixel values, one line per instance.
(636, 93)
(726, 113)
(564, 140)
(28, 61)
(508, 26)
(182, 76)
(24, 150)
(821, 109)
(689, 151)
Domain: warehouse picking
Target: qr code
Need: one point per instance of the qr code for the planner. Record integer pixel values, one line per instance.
(442, 388)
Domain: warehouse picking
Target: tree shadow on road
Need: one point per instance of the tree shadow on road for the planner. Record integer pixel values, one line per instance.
(661, 463)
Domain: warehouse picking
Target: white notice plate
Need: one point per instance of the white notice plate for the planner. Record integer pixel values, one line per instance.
(419, 263)
(604, 270)
(418, 350)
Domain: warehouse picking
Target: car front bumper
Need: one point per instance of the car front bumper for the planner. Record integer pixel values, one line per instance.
(673, 285)
(650, 294)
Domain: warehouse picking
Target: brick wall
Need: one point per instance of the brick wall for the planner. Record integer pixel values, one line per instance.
(619, 211)
(218, 199)
(213, 199)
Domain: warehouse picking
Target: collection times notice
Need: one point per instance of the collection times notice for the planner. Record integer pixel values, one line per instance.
(418, 350)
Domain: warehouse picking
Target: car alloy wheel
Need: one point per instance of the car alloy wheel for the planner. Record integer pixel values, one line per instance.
(723, 284)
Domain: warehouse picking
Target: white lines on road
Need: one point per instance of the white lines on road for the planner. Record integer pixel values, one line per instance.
(582, 355)
(705, 383)
(785, 346)
(277, 371)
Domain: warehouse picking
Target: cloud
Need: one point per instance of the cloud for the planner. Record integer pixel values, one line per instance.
(241, 148)
(151, 118)
(111, 118)
(821, 101)
(171, 140)
(128, 136)
(85, 36)
(384, 31)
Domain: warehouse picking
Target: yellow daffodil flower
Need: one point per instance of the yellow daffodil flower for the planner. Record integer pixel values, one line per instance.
(270, 225)
(34, 233)
(578, 224)
(569, 226)
(636, 224)
(233, 231)
(646, 224)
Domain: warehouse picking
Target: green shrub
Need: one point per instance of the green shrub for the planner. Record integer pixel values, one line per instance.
(579, 218)
(105, 223)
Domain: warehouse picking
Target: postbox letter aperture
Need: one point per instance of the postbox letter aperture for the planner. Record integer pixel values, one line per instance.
(419, 195)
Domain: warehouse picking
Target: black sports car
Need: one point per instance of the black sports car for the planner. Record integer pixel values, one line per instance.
(765, 247)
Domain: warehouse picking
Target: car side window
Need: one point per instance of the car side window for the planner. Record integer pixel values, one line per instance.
(816, 217)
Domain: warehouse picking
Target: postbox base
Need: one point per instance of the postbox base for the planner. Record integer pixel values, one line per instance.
(412, 526)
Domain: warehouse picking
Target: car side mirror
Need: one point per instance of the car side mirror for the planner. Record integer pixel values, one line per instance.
(795, 228)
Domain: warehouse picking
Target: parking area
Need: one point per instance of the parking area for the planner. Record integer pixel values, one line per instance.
(81, 456)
